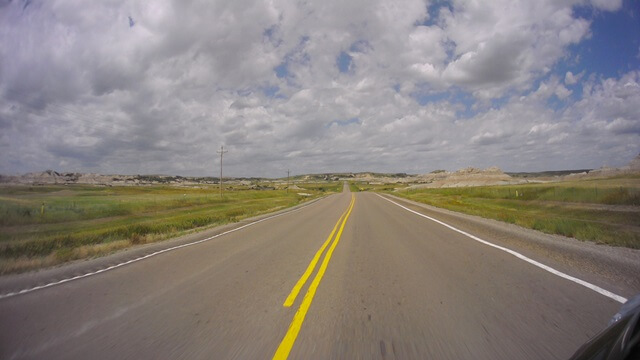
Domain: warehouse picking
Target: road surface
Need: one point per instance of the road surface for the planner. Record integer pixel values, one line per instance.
(389, 284)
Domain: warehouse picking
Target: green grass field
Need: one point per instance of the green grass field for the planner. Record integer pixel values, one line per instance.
(604, 211)
(46, 225)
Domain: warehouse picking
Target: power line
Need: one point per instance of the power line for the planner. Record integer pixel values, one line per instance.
(222, 151)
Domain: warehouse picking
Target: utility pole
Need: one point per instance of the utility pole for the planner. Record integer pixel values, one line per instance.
(287, 181)
(221, 152)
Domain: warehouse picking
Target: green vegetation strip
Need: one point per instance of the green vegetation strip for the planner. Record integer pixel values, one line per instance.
(353, 187)
(605, 211)
(46, 225)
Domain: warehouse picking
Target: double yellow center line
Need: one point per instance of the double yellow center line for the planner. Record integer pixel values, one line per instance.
(290, 338)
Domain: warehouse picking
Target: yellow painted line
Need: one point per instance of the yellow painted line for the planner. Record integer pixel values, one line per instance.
(296, 324)
(312, 265)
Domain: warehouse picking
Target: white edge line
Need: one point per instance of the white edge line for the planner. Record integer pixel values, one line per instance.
(588, 285)
(59, 282)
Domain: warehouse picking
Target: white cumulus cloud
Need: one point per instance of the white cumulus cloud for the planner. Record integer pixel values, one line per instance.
(157, 87)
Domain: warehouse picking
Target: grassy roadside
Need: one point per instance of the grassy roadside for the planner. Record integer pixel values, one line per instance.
(85, 221)
(605, 211)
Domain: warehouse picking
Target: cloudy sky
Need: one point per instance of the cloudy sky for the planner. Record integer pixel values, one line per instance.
(156, 87)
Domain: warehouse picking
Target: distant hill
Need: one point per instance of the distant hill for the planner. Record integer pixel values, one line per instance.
(546, 173)
(51, 177)
(439, 178)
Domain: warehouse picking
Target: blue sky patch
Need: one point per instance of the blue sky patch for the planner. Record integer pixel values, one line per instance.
(614, 45)
(271, 91)
(434, 12)
(344, 62)
(424, 98)
(281, 70)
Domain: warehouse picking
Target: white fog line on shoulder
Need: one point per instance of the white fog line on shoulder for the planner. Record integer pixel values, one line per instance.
(588, 285)
(59, 282)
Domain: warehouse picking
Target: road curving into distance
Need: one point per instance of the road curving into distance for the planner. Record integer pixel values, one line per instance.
(352, 276)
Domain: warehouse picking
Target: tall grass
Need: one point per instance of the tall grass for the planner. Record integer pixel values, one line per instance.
(603, 211)
(588, 193)
(60, 223)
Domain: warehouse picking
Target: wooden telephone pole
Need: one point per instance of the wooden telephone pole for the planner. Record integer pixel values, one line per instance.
(221, 152)
(287, 181)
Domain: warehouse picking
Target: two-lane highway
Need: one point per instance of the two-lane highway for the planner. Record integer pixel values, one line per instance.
(365, 279)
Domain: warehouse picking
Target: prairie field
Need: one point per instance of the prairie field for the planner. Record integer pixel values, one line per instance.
(604, 211)
(46, 225)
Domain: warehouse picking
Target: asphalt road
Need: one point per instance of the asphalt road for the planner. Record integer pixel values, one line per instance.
(394, 285)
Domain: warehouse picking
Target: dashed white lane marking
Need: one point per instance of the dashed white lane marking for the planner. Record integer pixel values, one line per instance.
(59, 282)
(588, 285)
